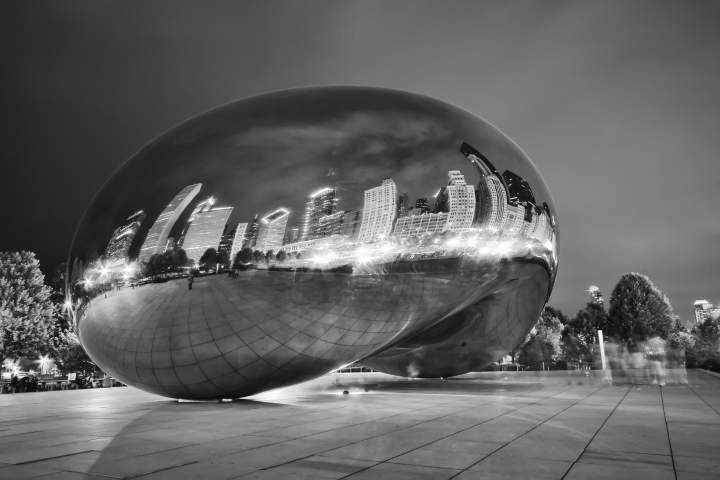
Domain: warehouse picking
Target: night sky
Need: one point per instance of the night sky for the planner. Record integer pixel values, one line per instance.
(616, 102)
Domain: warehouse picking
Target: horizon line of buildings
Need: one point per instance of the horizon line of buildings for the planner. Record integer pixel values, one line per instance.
(502, 203)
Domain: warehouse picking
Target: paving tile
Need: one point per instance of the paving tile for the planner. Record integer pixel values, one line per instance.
(316, 467)
(392, 471)
(406, 429)
(500, 467)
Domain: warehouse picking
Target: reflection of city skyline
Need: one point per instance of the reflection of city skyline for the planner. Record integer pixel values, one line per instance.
(501, 204)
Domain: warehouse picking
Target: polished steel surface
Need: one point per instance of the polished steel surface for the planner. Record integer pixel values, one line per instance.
(286, 235)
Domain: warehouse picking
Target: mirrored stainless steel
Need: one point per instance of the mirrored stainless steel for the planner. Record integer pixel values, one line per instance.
(286, 235)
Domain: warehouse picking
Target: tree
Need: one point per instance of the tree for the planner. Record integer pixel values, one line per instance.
(71, 356)
(705, 349)
(580, 334)
(257, 256)
(209, 257)
(176, 259)
(281, 256)
(542, 349)
(27, 315)
(223, 258)
(269, 256)
(638, 311)
(156, 265)
(244, 256)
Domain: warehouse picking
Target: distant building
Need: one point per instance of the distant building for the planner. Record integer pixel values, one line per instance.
(319, 204)
(118, 249)
(705, 310)
(272, 230)
(596, 296)
(238, 240)
(379, 210)
(157, 235)
(461, 202)
(205, 231)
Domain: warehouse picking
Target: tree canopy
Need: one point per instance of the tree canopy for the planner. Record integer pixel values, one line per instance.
(542, 348)
(27, 314)
(638, 311)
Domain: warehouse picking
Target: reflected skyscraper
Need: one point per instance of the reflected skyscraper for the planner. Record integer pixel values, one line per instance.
(330, 225)
(461, 202)
(492, 195)
(379, 209)
(239, 239)
(518, 188)
(252, 232)
(351, 223)
(272, 230)
(320, 203)
(514, 219)
(205, 231)
(118, 248)
(417, 224)
(157, 235)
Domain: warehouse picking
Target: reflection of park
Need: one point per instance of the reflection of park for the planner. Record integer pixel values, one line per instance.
(260, 328)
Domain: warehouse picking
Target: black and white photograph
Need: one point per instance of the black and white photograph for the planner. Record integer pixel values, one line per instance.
(360, 239)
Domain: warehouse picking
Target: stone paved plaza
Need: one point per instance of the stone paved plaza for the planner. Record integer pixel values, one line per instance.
(489, 427)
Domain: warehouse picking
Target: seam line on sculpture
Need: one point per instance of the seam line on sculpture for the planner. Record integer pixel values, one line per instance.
(602, 425)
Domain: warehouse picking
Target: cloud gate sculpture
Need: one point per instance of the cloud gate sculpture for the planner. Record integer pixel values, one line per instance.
(283, 236)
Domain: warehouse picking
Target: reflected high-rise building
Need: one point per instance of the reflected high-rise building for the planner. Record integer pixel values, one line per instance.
(320, 203)
(157, 235)
(379, 209)
(118, 248)
(226, 240)
(239, 239)
(205, 231)
(461, 202)
(417, 224)
(422, 205)
(518, 188)
(330, 225)
(252, 232)
(514, 220)
(403, 205)
(351, 224)
(272, 230)
(492, 194)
